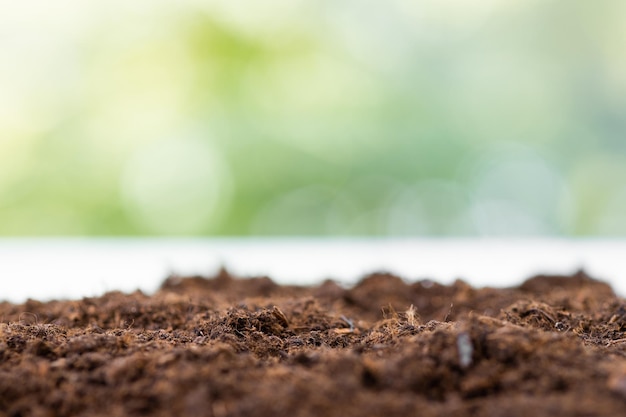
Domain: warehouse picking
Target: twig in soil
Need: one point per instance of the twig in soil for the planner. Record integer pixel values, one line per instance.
(280, 316)
(540, 312)
(411, 315)
(615, 342)
(389, 311)
(349, 322)
(447, 317)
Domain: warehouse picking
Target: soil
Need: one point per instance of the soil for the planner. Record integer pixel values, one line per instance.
(226, 346)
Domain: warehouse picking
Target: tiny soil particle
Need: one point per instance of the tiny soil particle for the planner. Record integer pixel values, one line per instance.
(227, 346)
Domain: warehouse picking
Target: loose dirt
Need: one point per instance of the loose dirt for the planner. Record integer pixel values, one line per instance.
(553, 346)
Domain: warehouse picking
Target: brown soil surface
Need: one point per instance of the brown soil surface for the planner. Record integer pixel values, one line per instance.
(554, 346)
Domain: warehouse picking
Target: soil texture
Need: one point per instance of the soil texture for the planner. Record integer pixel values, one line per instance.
(227, 346)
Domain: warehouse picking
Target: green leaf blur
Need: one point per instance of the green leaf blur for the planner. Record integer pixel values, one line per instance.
(353, 118)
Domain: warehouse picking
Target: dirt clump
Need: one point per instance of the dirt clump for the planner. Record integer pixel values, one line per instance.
(227, 346)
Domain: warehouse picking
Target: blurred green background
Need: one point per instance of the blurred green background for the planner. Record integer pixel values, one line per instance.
(299, 117)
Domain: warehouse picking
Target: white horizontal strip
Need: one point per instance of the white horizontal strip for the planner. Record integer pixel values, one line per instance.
(73, 267)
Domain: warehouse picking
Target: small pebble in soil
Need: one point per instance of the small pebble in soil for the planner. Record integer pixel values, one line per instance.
(560, 326)
(465, 348)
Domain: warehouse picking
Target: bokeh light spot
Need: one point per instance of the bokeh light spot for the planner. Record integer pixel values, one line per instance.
(175, 186)
(313, 210)
(517, 191)
(430, 207)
